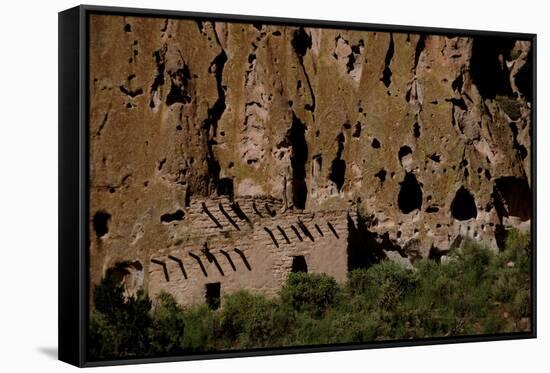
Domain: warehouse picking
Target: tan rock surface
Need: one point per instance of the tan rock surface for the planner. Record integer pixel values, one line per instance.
(403, 142)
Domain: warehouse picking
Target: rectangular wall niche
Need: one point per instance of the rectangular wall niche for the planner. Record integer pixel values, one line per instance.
(299, 264)
(213, 295)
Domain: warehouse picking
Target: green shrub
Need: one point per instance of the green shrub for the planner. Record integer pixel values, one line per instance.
(312, 292)
(122, 322)
(253, 320)
(167, 331)
(109, 298)
(102, 339)
(199, 326)
(475, 292)
(384, 284)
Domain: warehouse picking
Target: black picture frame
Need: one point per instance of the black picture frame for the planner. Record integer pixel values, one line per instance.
(73, 182)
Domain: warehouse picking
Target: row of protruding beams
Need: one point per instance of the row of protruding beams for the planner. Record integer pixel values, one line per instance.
(209, 256)
(303, 228)
(239, 213)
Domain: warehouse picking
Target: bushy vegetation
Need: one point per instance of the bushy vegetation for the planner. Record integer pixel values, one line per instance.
(474, 291)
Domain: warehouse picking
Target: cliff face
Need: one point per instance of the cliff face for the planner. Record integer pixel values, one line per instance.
(425, 138)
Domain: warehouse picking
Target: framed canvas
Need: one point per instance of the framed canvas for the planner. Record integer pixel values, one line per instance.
(239, 185)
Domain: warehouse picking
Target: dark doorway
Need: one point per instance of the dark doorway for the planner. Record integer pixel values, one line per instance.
(463, 206)
(225, 187)
(512, 197)
(213, 295)
(299, 264)
(487, 68)
(410, 195)
(100, 222)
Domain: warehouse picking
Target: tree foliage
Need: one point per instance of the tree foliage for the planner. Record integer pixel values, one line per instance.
(474, 291)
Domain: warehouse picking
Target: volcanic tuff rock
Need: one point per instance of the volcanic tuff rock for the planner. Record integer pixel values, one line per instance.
(405, 142)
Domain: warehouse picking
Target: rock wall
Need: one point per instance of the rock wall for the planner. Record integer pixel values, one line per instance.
(405, 142)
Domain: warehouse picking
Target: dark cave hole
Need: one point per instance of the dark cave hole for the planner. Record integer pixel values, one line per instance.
(338, 167)
(524, 78)
(375, 143)
(463, 206)
(512, 197)
(435, 157)
(351, 62)
(381, 175)
(404, 151)
(295, 137)
(301, 41)
(160, 61)
(520, 149)
(226, 188)
(100, 223)
(435, 254)
(419, 49)
(501, 234)
(128, 27)
(178, 90)
(210, 124)
(170, 217)
(416, 130)
(364, 247)
(213, 291)
(357, 130)
(299, 264)
(387, 73)
(432, 209)
(410, 194)
(457, 84)
(488, 68)
(161, 164)
(459, 103)
(251, 57)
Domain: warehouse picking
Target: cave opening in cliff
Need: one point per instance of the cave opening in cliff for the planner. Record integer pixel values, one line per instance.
(299, 264)
(226, 188)
(317, 166)
(338, 167)
(410, 194)
(403, 152)
(387, 73)
(301, 41)
(213, 295)
(488, 66)
(512, 197)
(296, 138)
(171, 217)
(127, 274)
(524, 78)
(364, 248)
(100, 223)
(178, 89)
(501, 235)
(463, 206)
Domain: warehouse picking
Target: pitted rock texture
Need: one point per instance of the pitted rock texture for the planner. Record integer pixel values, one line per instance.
(210, 141)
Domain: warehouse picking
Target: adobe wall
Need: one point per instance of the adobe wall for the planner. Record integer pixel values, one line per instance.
(252, 252)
